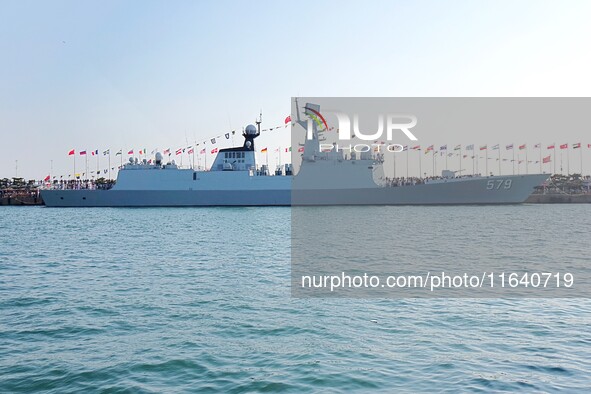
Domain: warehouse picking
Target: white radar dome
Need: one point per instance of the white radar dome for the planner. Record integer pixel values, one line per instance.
(158, 156)
(251, 129)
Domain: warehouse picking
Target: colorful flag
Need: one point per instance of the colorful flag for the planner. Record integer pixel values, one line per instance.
(444, 147)
(458, 147)
(82, 153)
(72, 152)
(263, 150)
(288, 149)
(130, 152)
(288, 119)
(522, 147)
(106, 152)
(140, 152)
(496, 147)
(546, 159)
(577, 145)
(416, 147)
(483, 147)
(167, 151)
(214, 151)
(509, 147)
(470, 147)
(564, 146)
(301, 149)
(202, 150)
(119, 153)
(179, 151)
(190, 151)
(47, 178)
(405, 148)
(551, 146)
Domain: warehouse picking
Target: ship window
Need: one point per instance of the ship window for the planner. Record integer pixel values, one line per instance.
(194, 176)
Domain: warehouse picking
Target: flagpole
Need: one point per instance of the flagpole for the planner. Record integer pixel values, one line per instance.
(420, 169)
(581, 156)
(86, 159)
(540, 147)
(554, 148)
(460, 169)
(433, 152)
(394, 161)
(567, 161)
(486, 163)
(513, 161)
(109, 168)
(407, 150)
(526, 161)
(74, 164)
(499, 159)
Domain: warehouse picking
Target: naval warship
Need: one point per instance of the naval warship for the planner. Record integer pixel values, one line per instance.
(323, 178)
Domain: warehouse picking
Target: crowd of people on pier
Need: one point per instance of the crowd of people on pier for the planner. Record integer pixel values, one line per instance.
(83, 184)
(411, 181)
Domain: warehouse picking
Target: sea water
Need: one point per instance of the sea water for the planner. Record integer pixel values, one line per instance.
(198, 300)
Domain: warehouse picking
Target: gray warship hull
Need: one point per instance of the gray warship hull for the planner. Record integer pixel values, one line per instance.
(478, 190)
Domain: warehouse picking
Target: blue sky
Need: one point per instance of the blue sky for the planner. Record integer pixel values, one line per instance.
(134, 74)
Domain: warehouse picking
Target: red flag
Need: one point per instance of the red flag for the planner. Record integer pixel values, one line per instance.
(72, 152)
(522, 147)
(82, 153)
(546, 159)
(214, 151)
(264, 150)
(179, 151)
(301, 149)
(564, 146)
(551, 146)
(190, 151)
(47, 178)
(288, 119)
(577, 145)
(202, 150)
(130, 152)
